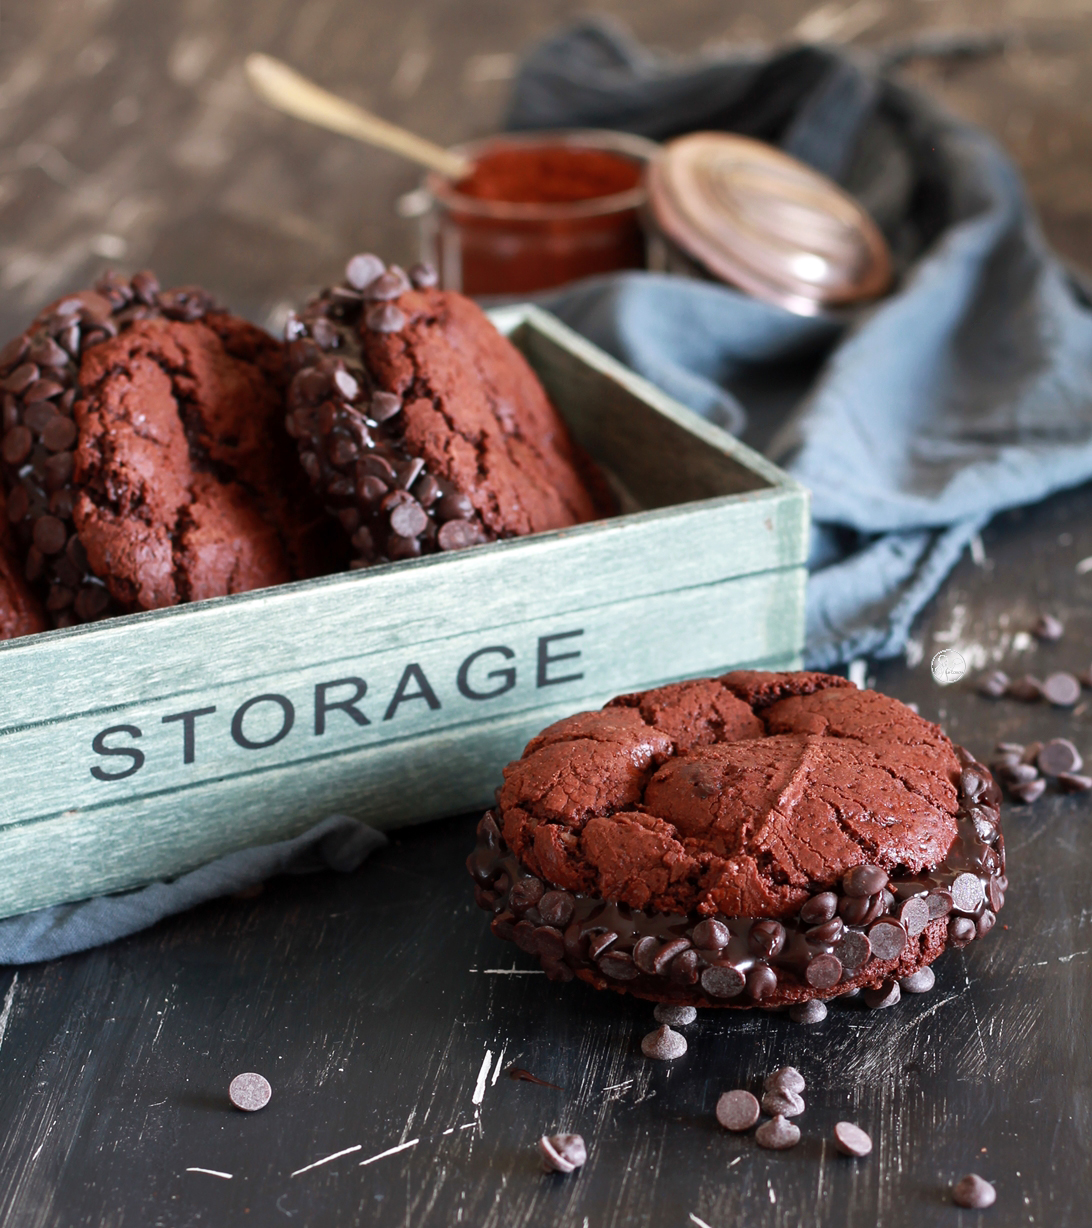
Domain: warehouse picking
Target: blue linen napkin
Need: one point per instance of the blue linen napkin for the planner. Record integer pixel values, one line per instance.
(965, 391)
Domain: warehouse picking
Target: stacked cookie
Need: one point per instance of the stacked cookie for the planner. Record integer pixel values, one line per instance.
(147, 453)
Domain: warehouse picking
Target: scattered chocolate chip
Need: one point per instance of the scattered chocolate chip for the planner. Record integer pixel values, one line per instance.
(886, 995)
(249, 1092)
(819, 908)
(346, 385)
(921, 981)
(21, 378)
(973, 1192)
(50, 534)
(13, 351)
(993, 684)
(737, 1111)
(777, 1134)
(888, 938)
(423, 276)
(851, 1140)
(1070, 782)
(814, 1010)
(409, 519)
(853, 949)
(723, 982)
(387, 286)
(676, 1016)
(664, 1044)
(60, 433)
(1048, 627)
(1031, 752)
(780, 1102)
(1009, 748)
(384, 405)
(1057, 756)
(864, 881)
(1018, 773)
(1061, 689)
(785, 1079)
(458, 535)
(43, 390)
(561, 1153)
(1028, 689)
(385, 318)
(824, 971)
(363, 269)
(711, 935)
(16, 445)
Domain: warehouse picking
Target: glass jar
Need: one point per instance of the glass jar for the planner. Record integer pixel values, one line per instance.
(495, 247)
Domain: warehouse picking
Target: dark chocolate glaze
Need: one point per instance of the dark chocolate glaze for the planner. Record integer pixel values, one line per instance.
(848, 939)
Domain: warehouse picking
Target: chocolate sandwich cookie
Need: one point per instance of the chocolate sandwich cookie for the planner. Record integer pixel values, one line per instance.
(143, 455)
(758, 839)
(421, 427)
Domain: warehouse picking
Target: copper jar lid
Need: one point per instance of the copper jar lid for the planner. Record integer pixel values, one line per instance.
(761, 220)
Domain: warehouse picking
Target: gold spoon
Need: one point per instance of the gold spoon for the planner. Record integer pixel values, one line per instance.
(282, 87)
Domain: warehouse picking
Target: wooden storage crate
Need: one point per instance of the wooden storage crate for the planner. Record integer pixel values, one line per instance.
(138, 747)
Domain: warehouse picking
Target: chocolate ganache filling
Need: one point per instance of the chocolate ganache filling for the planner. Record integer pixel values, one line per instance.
(858, 934)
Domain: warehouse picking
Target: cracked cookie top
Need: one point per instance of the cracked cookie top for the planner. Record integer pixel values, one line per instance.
(421, 426)
(741, 795)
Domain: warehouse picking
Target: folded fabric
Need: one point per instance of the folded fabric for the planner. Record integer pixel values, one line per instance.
(337, 843)
(965, 391)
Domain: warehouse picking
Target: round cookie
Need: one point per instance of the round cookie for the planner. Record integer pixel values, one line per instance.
(755, 839)
(143, 456)
(423, 428)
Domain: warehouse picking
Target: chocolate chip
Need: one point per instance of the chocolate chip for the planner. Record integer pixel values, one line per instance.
(598, 943)
(781, 1102)
(819, 908)
(91, 601)
(43, 390)
(50, 534)
(824, 971)
(1009, 748)
(854, 909)
(385, 318)
(723, 981)
(346, 385)
(785, 1079)
(767, 937)
(961, 930)
(1057, 756)
(986, 922)
(644, 953)
(1070, 782)
(556, 908)
(914, 915)
(864, 880)
(853, 949)
(38, 415)
(973, 1192)
(383, 405)
(676, 1016)
(363, 269)
(18, 503)
(458, 535)
(423, 276)
(777, 1134)
(711, 934)
(888, 938)
(387, 286)
(1027, 689)
(851, 1140)
(993, 684)
(761, 982)
(526, 894)
(1048, 627)
(737, 1111)
(249, 1092)
(21, 378)
(921, 981)
(13, 351)
(145, 286)
(561, 1153)
(685, 968)
(16, 445)
(939, 902)
(1061, 689)
(60, 433)
(324, 333)
(886, 995)
(619, 966)
(829, 931)
(1030, 792)
(426, 490)
(664, 1045)
(34, 565)
(967, 893)
(995, 895)
(814, 1010)
(409, 519)
(47, 353)
(667, 953)
(1019, 773)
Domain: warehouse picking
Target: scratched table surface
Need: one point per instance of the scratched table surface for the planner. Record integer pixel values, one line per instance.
(377, 1004)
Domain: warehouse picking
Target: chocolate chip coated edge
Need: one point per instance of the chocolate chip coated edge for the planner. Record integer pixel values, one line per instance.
(858, 926)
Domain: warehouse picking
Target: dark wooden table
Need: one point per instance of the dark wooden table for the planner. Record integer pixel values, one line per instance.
(378, 1004)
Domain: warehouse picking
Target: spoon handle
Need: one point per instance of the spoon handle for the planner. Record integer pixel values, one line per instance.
(282, 87)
